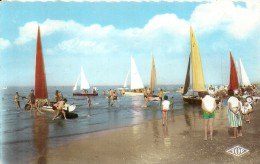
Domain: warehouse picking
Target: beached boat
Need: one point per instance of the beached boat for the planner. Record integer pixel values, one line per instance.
(197, 74)
(84, 86)
(136, 85)
(153, 83)
(41, 93)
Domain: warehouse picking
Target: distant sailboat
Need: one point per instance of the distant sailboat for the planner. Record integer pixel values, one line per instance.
(125, 83)
(84, 85)
(153, 82)
(244, 80)
(136, 81)
(197, 74)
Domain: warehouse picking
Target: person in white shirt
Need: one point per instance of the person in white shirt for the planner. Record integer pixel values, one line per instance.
(165, 108)
(208, 106)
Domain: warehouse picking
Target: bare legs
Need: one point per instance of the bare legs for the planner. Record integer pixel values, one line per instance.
(164, 118)
(237, 132)
(208, 125)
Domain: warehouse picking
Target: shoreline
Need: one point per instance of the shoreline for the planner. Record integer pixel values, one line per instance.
(179, 142)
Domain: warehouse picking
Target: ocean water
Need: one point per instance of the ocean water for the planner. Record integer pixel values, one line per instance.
(28, 134)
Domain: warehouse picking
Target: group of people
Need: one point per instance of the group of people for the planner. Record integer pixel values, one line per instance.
(32, 103)
(236, 111)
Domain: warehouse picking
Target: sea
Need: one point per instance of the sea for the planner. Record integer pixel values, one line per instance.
(26, 135)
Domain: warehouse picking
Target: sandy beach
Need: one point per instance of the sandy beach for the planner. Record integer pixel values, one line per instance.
(181, 141)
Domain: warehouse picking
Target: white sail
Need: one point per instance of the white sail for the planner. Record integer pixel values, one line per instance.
(244, 78)
(125, 84)
(136, 81)
(239, 77)
(84, 83)
(76, 84)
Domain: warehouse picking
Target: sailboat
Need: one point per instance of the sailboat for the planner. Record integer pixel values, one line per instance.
(41, 93)
(197, 74)
(136, 82)
(153, 83)
(244, 80)
(125, 83)
(84, 85)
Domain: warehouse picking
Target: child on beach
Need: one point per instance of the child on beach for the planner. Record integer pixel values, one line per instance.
(208, 106)
(246, 110)
(165, 108)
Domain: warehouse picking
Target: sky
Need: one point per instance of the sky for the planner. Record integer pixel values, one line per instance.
(102, 36)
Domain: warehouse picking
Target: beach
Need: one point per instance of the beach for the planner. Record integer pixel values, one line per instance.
(181, 141)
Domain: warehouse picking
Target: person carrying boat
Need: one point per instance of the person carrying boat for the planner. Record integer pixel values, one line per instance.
(59, 105)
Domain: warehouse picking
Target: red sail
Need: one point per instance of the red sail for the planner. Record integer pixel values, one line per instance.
(233, 81)
(40, 80)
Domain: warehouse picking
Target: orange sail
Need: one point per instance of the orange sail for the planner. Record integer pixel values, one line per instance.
(233, 80)
(40, 80)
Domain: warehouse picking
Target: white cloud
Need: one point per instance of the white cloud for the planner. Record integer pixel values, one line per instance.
(4, 44)
(240, 22)
(29, 30)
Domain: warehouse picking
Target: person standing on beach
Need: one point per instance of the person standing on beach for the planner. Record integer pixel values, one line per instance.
(208, 106)
(234, 117)
(17, 101)
(165, 108)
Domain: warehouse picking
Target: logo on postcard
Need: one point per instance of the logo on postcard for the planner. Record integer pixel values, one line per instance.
(237, 150)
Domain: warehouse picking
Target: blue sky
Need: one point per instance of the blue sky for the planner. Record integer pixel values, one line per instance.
(102, 36)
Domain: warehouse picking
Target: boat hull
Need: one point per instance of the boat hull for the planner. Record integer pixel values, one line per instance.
(85, 94)
(195, 100)
(153, 98)
(67, 107)
(134, 93)
(192, 99)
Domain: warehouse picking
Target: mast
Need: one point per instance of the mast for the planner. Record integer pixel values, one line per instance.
(40, 79)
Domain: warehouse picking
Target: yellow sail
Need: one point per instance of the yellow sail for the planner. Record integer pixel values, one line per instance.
(153, 76)
(197, 74)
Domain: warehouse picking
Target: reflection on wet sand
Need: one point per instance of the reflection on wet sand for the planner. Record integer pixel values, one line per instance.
(167, 139)
(40, 135)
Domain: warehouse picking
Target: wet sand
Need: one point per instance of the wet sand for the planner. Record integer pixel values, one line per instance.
(151, 143)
